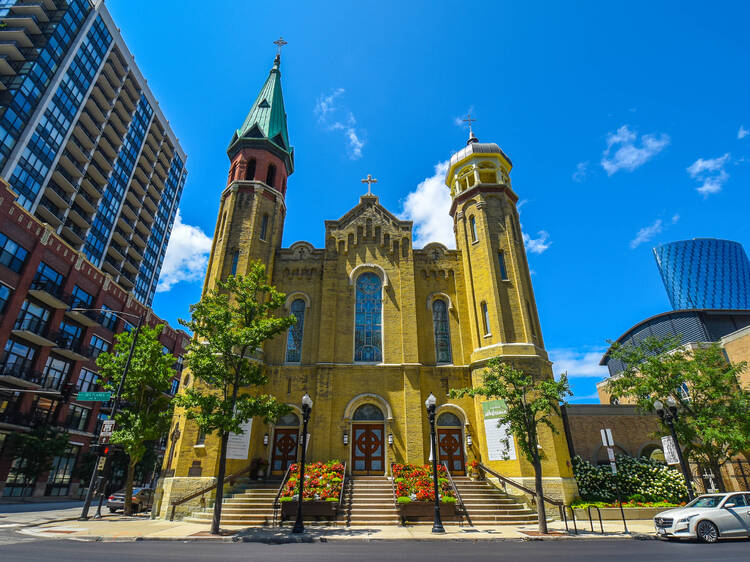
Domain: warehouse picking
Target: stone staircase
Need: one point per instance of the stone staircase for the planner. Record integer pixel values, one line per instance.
(369, 502)
(486, 505)
(249, 508)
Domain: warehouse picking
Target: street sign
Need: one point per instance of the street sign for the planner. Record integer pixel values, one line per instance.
(94, 396)
(108, 426)
(670, 450)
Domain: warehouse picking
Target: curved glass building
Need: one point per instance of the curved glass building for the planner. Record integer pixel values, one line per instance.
(705, 273)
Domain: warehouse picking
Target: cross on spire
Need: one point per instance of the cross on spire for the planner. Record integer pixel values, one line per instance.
(279, 43)
(369, 180)
(469, 120)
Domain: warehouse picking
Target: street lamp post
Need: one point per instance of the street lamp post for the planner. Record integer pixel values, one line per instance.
(115, 402)
(668, 415)
(299, 526)
(431, 402)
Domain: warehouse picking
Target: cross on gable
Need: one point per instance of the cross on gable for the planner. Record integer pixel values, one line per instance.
(369, 180)
(280, 43)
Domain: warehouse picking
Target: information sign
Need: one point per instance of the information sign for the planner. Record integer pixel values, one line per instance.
(500, 443)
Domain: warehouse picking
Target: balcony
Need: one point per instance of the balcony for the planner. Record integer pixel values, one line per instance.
(47, 291)
(84, 137)
(70, 347)
(74, 232)
(136, 238)
(50, 213)
(77, 149)
(33, 329)
(71, 165)
(20, 373)
(24, 419)
(17, 35)
(98, 173)
(125, 223)
(63, 178)
(79, 216)
(92, 187)
(118, 251)
(86, 317)
(85, 202)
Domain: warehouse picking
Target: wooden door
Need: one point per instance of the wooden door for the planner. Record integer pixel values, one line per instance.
(450, 447)
(368, 452)
(284, 449)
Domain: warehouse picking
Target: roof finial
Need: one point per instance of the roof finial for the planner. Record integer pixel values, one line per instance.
(279, 44)
(469, 120)
(369, 180)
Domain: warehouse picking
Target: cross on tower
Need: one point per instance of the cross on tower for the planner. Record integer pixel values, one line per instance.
(279, 43)
(369, 180)
(469, 120)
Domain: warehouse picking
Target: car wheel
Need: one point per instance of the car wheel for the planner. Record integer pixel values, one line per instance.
(112, 510)
(707, 532)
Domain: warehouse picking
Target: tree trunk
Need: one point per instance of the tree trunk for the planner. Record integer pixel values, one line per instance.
(128, 508)
(216, 523)
(718, 478)
(538, 488)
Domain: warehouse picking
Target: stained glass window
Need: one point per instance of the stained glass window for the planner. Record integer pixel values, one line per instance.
(294, 336)
(368, 330)
(368, 412)
(449, 419)
(442, 331)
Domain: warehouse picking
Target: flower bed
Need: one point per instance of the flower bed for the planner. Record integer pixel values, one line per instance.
(322, 482)
(414, 483)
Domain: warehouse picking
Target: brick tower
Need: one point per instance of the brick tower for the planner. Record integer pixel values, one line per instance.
(252, 209)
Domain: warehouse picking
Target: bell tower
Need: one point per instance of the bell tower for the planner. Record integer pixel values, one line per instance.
(252, 210)
(488, 234)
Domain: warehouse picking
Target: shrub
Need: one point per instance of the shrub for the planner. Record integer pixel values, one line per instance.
(322, 482)
(642, 480)
(414, 481)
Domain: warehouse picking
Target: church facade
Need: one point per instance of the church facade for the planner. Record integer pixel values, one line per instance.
(380, 324)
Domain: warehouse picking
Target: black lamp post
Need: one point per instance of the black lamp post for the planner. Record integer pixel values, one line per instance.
(668, 415)
(115, 402)
(299, 526)
(431, 402)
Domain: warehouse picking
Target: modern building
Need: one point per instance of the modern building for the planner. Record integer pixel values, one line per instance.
(82, 139)
(380, 324)
(49, 347)
(705, 273)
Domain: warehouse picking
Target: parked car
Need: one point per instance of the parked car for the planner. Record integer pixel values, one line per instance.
(707, 518)
(142, 500)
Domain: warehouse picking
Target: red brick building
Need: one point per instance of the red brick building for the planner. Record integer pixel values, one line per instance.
(47, 346)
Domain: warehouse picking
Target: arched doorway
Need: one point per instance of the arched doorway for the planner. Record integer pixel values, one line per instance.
(285, 438)
(451, 443)
(368, 447)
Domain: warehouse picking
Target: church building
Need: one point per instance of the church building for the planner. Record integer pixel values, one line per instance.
(380, 324)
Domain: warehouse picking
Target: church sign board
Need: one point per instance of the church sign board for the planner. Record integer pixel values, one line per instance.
(238, 445)
(500, 443)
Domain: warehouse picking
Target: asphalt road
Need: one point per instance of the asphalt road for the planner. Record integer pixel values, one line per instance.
(414, 551)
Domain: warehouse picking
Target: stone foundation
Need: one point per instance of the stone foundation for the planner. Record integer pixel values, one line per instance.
(176, 488)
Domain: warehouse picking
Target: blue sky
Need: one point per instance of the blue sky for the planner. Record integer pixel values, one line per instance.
(625, 122)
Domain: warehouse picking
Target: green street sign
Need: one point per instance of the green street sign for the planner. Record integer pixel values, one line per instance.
(94, 396)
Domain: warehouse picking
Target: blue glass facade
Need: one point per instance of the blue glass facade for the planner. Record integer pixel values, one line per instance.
(117, 184)
(705, 273)
(37, 157)
(32, 80)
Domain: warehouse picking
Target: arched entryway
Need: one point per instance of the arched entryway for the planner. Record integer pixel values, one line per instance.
(285, 439)
(451, 443)
(368, 440)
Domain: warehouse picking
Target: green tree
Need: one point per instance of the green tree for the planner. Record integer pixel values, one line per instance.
(230, 325)
(530, 402)
(713, 422)
(147, 410)
(35, 450)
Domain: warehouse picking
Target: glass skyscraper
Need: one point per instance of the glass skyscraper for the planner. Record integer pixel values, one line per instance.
(82, 139)
(705, 273)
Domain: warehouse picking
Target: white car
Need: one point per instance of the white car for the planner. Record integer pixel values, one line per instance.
(707, 518)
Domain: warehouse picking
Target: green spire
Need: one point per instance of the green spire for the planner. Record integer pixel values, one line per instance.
(266, 121)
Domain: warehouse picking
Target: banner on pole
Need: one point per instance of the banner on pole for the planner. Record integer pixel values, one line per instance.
(500, 443)
(238, 445)
(670, 450)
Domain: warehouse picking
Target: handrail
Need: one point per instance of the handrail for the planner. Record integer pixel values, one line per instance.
(393, 487)
(341, 491)
(278, 494)
(459, 500)
(591, 521)
(231, 478)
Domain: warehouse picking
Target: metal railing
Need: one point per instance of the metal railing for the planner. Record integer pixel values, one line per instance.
(278, 494)
(203, 491)
(591, 521)
(459, 500)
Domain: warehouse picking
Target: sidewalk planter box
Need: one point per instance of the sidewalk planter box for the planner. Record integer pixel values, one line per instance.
(312, 508)
(613, 513)
(425, 511)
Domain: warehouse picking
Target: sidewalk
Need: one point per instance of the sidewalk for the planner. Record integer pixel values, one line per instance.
(118, 528)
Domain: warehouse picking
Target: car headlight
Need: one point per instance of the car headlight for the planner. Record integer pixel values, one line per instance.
(687, 519)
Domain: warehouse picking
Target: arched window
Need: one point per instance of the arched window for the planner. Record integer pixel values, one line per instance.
(235, 260)
(485, 319)
(368, 412)
(473, 227)
(442, 331)
(289, 420)
(271, 175)
(447, 419)
(294, 335)
(264, 227)
(368, 340)
(250, 169)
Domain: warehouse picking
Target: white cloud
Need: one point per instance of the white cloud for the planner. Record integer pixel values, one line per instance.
(623, 154)
(647, 233)
(539, 244)
(581, 171)
(578, 364)
(710, 173)
(335, 117)
(742, 133)
(186, 257)
(429, 207)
